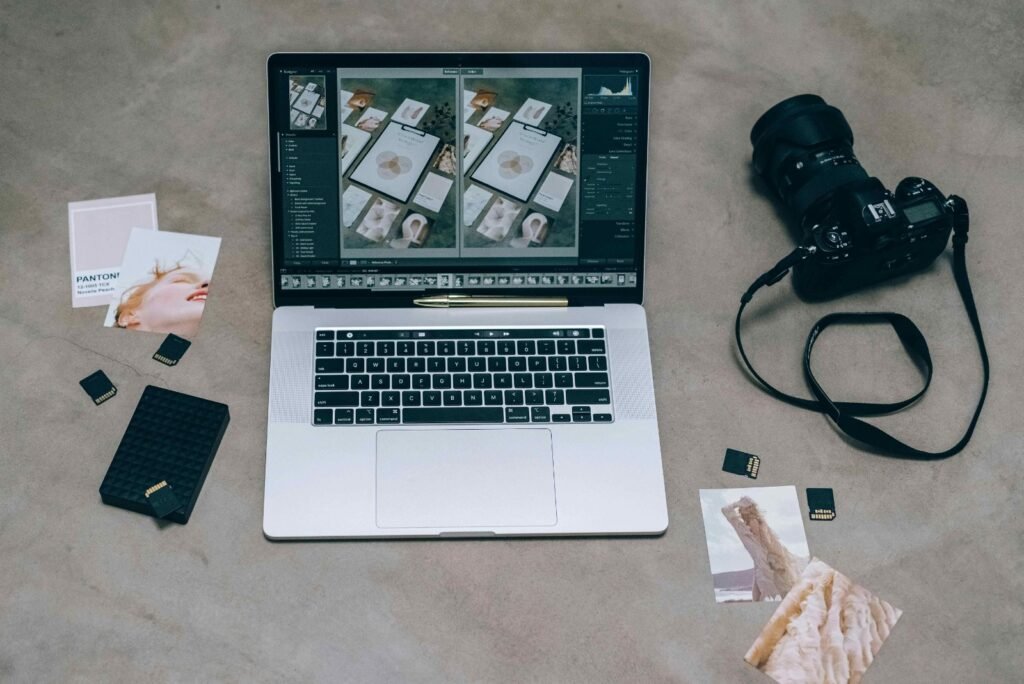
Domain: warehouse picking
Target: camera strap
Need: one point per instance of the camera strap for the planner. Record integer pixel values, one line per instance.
(844, 414)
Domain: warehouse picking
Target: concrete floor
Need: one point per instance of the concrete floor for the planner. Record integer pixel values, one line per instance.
(104, 99)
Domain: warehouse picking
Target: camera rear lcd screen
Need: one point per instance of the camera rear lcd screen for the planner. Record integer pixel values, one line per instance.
(925, 211)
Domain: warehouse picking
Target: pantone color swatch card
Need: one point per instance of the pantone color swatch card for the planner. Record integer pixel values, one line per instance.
(98, 232)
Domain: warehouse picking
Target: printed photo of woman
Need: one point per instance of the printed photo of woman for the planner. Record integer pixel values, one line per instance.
(164, 282)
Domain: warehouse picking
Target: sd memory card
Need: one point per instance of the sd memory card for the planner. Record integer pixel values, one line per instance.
(171, 350)
(740, 463)
(98, 386)
(821, 504)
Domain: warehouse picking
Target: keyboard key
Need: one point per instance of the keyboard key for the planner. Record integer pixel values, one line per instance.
(482, 381)
(466, 348)
(597, 332)
(534, 397)
(506, 347)
(485, 347)
(364, 416)
(369, 399)
(602, 417)
(375, 365)
(425, 349)
(476, 364)
(385, 348)
(411, 398)
(467, 414)
(364, 348)
(343, 416)
(497, 364)
(388, 416)
(325, 349)
(513, 397)
(442, 381)
(563, 379)
(355, 365)
(537, 363)
(543, 380)
(581, 409)
(345, 349)
(416, 365)
(503, 380)
(405, 348)
(431, 398)
(554, 397)
(597, 363)
(517, 415)
(588, 397)
(380, 382)
(452, 398)
(396, 364)
(322, 335)
(566, 347)
(323, 416)
(390, 399)
(522, 380)
(561, 418)
(492, 397)
(473, 398)
(517, 364)
(400, 381)
(581, 418)
(456, 365)
(321, 399)
(546, 347)
(540, 414)
(435, 365)
(360, 382)
(526, 347)
(462, 381)
(557, 363)
(421, 381)
(331, 382)
(590, 347)
(330, 365)
(591, 379)
(578, 363)
(446, 348)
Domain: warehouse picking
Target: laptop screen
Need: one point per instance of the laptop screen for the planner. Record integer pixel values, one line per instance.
(398, 174)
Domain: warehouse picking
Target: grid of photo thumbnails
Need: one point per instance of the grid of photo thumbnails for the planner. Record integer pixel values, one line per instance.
(399, 161)
(308, 98)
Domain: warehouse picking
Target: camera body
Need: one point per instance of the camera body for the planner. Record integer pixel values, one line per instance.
(857, 232)
(867, 234)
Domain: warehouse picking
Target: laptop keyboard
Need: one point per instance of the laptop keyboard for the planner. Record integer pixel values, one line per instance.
(457, 376)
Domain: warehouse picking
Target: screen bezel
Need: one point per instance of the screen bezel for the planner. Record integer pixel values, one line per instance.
(367, 298)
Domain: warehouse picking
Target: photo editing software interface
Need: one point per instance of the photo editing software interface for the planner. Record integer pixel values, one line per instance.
(448, 178)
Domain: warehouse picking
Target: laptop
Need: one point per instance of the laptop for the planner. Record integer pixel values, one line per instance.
(459, 344)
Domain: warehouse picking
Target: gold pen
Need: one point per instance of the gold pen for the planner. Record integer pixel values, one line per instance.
(448, 301)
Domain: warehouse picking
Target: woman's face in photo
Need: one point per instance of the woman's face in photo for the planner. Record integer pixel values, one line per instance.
(174, 303)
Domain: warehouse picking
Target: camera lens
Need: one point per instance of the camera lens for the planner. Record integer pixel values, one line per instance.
(803, 148)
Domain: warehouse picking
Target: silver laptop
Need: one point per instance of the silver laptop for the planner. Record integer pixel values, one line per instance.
(459, 346)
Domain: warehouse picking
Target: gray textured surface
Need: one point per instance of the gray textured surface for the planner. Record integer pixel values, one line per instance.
(101, 100)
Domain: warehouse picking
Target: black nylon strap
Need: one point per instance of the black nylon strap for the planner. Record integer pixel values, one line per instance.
(844, 413)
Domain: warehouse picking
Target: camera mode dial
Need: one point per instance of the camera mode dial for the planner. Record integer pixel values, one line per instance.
(913, 187)
(832, 241)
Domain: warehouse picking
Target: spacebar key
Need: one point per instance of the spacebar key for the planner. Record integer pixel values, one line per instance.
(481, 414)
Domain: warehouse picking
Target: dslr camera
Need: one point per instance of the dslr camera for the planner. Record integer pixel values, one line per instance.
(855, 232)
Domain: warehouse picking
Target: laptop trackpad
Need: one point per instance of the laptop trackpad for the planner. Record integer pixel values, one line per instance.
(465, 478)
